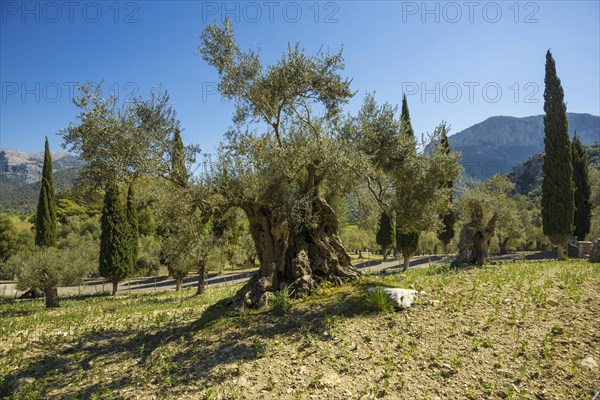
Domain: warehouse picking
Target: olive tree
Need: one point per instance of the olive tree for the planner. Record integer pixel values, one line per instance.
(405, 182)
(48, 268)
(494, 199)
(283, 160)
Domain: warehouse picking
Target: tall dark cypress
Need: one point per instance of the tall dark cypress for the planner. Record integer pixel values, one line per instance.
(385, 234)
(405, 124)
(178, 169)
(45, 219)
(406, 239)
(583, 189)
(558, 206)
(133, 223)
(115, 239)
(446, 234)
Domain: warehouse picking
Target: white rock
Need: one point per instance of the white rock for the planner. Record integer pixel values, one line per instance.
(24, 382)
(401, 298)
(588, 363)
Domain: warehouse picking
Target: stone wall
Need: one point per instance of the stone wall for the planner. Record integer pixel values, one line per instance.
(595, 252)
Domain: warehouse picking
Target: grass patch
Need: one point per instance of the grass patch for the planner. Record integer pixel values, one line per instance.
(378, 301)
(23, 225)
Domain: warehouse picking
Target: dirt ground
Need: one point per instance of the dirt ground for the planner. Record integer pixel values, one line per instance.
(513, 330)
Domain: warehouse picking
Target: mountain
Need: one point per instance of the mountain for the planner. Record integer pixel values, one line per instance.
(20, 175)
(496, 144)
(20, 167)
(528, 175)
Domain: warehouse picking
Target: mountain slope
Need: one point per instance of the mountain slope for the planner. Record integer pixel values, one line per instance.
(23, 168)
(496, 144)
(20, 175)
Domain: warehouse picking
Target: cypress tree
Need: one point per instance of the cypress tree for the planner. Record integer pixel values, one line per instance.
(558, 206)
(133, 223)
(385, 234)
(405, 124)
(446, 234)
(406, 239)
(178, 169)
(583, 190)
(115, 239)
(45, 220)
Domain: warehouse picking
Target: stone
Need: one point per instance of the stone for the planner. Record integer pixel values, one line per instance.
(400, 298)
(588, 363)
(26, 381)
(552, 302)
(242, 381)
(329, 380)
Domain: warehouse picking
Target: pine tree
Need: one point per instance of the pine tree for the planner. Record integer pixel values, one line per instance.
(385, 234)
(45, 221)
(115, 240)
(558, 206)
(406, 239)
(583, 190)
(133, 223)
(446, 234)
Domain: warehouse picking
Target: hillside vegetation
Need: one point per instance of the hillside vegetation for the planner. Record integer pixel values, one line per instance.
(512, 330)
(528, 175)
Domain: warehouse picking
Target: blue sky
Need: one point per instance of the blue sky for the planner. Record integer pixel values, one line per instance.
(461, 62)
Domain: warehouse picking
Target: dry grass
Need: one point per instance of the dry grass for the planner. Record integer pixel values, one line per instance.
(23, 225)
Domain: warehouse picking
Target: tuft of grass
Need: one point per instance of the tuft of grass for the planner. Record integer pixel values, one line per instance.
(270, 384)
(260, 349)
(378, 300)
(282, 302)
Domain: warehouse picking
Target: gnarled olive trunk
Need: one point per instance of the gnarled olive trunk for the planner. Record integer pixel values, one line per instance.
(178, 282)
(475, 241)
(297, 259)
(52, 300)
(503, 243)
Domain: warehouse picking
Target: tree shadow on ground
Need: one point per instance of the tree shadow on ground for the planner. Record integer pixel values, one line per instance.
(207, 348)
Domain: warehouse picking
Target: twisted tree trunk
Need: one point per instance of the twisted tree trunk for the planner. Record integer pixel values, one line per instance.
(300, 260)
(52, 300)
